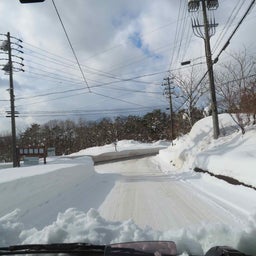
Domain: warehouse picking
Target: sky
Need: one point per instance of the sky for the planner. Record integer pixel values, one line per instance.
(125, 49)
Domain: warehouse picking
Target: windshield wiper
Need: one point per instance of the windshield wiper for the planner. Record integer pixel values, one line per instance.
(69, 248)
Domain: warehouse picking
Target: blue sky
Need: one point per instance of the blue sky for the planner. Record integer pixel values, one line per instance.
(125, 48)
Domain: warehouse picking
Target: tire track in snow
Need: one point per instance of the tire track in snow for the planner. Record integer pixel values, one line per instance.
(154, 199)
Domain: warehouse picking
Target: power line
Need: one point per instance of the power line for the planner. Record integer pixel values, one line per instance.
(182, 30)
(58, 98)
(96, 71)
(71, 46)
(229, 23)
(235, 30)
(109, 97)
(99, 85)
(176, 36)
(92, 70)
(50, 93)
(130, 90)
(53, 77)
(63, 61)
(88, 112)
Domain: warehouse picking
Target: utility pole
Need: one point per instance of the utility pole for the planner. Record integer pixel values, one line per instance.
(209, 27)
(9, 68)
(14, 142)
(168, 92)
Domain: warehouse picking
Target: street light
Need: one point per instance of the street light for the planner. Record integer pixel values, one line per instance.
(205, 31)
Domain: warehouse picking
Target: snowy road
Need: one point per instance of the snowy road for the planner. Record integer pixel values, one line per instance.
(134, 189)
(149, 197)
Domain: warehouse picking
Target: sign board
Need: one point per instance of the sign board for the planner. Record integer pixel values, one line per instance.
(51, 152)
(31, 160)
(32, 154)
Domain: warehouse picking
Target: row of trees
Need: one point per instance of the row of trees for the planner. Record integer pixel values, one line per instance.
(69, 136)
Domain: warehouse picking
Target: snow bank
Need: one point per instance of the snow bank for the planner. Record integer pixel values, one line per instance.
(233, 154)
(234, 158)
(77, 226)
(53, 164)
(41, 192)
(123, 145)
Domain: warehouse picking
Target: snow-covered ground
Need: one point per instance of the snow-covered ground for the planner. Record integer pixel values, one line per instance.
(124, 145)
(154, 198)
(233, 154)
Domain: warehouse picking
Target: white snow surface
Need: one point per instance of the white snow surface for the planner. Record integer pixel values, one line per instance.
(124, 145)
(154, 198)
(233, 154)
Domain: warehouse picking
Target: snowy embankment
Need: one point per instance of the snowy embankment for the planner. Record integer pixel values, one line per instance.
(122, 150)
(232, 154)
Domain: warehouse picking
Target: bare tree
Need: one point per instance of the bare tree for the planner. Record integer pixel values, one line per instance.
(248, 101)
(232, 82)
(189, 91)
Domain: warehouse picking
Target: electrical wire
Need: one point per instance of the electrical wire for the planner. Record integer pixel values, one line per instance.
(105, 73)
(48, 94)
(182, 29)
(89, 113)
(230, 21)
(99, 85)
(53, 77)
(109, 97)
(96, 72)
(71, 46)
(176, 36)
(235, 30)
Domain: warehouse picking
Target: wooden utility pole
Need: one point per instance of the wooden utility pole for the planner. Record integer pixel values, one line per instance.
(205, 32)
(14, 142)
(6, 46)
(216, 131)
(168, 92)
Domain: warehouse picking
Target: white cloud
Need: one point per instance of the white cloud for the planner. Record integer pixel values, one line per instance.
(113, 38)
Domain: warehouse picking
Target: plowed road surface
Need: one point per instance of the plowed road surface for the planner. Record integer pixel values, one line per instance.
(150, 197)
(132, 189)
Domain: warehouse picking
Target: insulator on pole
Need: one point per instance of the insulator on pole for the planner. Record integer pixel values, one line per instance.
(212, 4)
(193, 5)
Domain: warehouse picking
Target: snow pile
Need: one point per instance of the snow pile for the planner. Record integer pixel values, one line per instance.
(77, 226)
(123, 145)
(11, 174)
(41, 192)
(233, 154)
